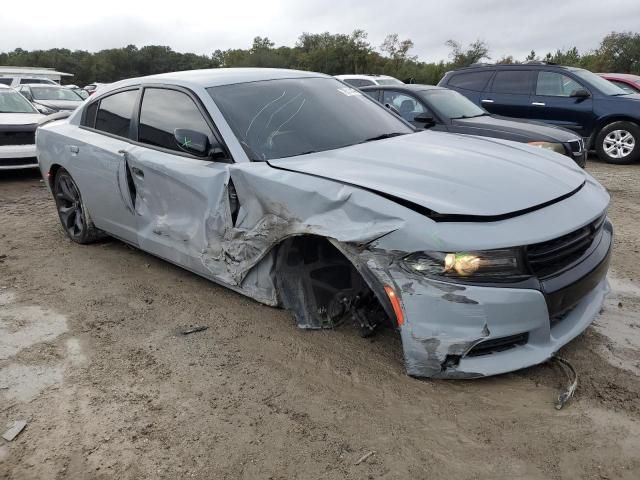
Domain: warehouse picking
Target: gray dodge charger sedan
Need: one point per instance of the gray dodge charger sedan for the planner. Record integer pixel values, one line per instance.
(299, 191)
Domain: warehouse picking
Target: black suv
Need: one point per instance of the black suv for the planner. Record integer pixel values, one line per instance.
(607, 117)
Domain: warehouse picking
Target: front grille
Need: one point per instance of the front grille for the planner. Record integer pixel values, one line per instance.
(17, 138)
(577, 146)
(496, 345)
(548, 258)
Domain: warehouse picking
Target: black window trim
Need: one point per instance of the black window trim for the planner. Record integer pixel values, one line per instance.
(135, 120)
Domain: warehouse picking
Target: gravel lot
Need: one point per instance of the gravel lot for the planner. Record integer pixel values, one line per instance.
(91, 356)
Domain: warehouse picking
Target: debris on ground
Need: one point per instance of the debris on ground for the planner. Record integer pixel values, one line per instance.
(197, 328)
(15, 430)
(568, 393)
(364, 457)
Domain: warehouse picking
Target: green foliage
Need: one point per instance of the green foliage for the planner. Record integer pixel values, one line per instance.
(322, 52)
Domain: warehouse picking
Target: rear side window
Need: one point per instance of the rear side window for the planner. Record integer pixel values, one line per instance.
(162, 112)
(89, 119)
(475, 81)
(359, 82)
(33, 80)
(5, 80)
(114, 113)
(512, 82)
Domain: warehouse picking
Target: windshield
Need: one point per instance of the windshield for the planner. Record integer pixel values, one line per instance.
(389, 81)
(451, 104)
(602, 84)
(54, 93)
(283, 118)
(12, 102)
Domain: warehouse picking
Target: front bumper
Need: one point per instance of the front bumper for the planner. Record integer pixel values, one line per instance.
(467, 331)
(17, 156)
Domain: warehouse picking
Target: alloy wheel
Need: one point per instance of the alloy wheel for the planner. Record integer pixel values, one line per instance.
(69, 204)
(619, 143)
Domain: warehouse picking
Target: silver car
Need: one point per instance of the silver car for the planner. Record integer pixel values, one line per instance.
(299, 191)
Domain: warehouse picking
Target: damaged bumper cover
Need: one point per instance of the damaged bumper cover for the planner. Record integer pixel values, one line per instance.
(469, 331)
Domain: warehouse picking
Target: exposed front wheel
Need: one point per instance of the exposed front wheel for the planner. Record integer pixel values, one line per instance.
(71, 210)
(619, 143)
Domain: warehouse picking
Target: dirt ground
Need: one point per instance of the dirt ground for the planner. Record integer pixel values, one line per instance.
(91, 356)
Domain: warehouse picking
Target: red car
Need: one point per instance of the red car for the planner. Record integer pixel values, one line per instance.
(626, 81)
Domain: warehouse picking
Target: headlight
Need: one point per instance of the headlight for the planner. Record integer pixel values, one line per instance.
(556, 147)
(502, 264)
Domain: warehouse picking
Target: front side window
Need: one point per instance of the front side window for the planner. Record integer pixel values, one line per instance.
(553, 84)
(475, 81)
(54, 93)
(114, 113)
(512, 82)
(5, 80)
(288, 117)
(407, 105)
(12, 102)
(162, 112)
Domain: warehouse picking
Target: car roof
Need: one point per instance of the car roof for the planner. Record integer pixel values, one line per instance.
(214, 77)
(38, 85)
(409, 87)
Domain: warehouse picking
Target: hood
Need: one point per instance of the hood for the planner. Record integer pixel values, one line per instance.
(522, 130)
(16, 119)
(447, 173)
(60, 104)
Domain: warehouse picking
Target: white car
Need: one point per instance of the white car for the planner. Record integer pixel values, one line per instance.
(18, 123)
(368, 80)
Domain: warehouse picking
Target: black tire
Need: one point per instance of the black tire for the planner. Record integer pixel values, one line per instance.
(619, 143)
(75, 220)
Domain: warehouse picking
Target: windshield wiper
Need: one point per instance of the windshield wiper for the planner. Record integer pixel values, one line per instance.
(383, 136)
(463, 117)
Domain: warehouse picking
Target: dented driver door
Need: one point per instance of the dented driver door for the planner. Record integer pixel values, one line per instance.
(174, 193)
(174, 196)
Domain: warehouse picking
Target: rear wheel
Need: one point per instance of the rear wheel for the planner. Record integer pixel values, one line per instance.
(73, 215)
(619, 143)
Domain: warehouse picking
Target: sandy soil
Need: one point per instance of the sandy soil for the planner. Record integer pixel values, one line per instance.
(91, 356)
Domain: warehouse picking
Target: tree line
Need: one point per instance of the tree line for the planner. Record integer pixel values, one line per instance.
(322, 52)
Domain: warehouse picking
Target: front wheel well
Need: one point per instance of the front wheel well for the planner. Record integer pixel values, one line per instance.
(322, 288)
(603, 122)
(51, 174)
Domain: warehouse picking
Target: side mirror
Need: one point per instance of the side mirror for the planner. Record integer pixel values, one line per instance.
(190, 141)
(428, 120)
(580, 93)
(393, 109)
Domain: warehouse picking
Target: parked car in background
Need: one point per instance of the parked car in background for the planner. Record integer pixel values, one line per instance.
(18, 123)
(367, 80)
(49, 99)
(298, 190)
(626, 81)
(607, 117)
(437, 108)
(81, 92)
(17, 81)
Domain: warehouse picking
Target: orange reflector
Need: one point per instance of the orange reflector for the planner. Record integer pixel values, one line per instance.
(395, 303)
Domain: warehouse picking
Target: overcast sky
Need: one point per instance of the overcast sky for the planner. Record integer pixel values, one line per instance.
(508, 26)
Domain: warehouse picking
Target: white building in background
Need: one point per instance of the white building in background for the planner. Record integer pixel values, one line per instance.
(32, 72)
